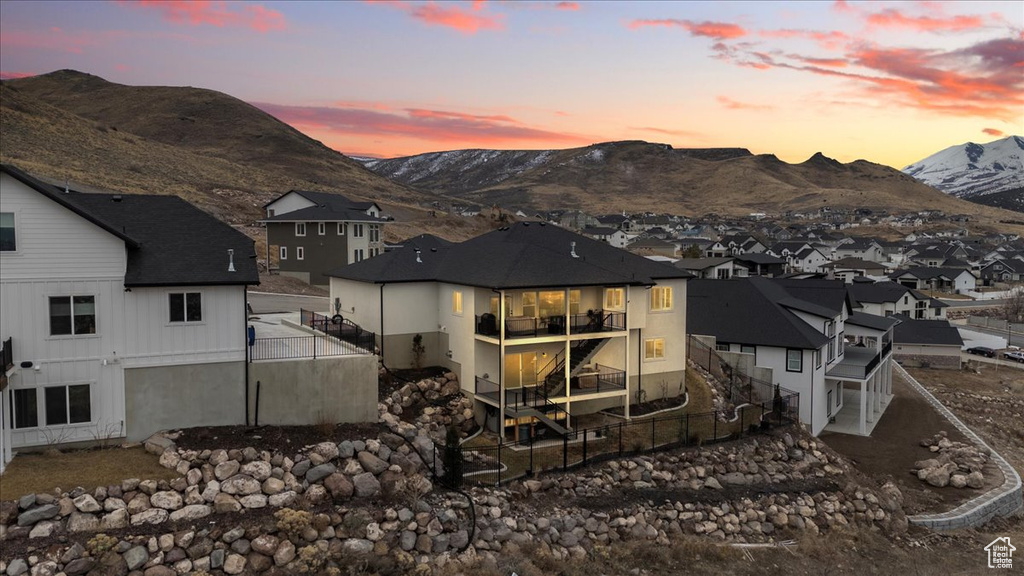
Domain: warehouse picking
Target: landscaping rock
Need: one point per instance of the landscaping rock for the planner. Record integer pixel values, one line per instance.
(86, 503)
(191, 512)
(136, 557)
(366, 485)
(320, 472)
(30, 517)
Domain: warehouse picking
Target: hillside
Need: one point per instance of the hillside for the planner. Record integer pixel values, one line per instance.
(991, 173)
(214, 150)
(635, 175)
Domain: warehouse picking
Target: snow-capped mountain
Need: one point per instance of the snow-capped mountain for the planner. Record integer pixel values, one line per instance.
(971, 170)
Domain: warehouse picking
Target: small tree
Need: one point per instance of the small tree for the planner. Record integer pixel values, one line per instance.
(691, 251)
(417, 351)
(1013, 311)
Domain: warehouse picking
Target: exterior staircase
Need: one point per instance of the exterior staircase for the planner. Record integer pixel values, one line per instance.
(580, 355)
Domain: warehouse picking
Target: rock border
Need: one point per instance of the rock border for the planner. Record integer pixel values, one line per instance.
(1002, 500)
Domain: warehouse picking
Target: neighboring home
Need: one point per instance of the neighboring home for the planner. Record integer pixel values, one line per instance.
(759, 264)
(1002, 271)
(122, 314)
(577, 220)
(713, 268)
(309, 232)
(797, 329)
(614, 236)
(889, 298)
(956, 280)
(808, 260)
(927, 343)
(847, 269)
(860, 248)
(505, 310)
(654, 246)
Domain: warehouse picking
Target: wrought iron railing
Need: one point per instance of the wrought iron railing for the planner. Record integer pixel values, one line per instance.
(340, 328)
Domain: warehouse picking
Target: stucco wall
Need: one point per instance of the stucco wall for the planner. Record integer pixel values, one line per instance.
(295, 392)
(182, 396)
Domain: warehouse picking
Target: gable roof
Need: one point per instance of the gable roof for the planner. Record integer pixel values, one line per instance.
(872, 321)
(754, 311)
(701, 263)
(934, 332)
(924, 273)
(323, 214)
(523, 255)
(328, 199)
(169, 242)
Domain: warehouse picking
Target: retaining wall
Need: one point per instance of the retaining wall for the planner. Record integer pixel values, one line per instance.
(1003, 500)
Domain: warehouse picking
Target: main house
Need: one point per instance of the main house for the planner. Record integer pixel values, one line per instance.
(122, 315)
(541, 324)
(310, 232)
(810, 338)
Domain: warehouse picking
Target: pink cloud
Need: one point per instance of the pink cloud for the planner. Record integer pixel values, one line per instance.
(568, 6)
(441, 126)
(731, 104)
(893, 18)
(993, 132)
(451, 16)
(831, 40)
(215, 13)
(5, 75)
(717, 30)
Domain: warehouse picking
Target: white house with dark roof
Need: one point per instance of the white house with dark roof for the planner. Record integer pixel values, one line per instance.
(540, 324)
(309, 232)
(806, 333)
(958, 280)
(123, 315)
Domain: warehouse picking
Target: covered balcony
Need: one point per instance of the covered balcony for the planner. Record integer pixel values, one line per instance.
(593, 321)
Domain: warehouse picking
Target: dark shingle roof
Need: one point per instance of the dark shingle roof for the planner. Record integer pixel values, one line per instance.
(878, 292)
(328, 199)
(923, 273)
(524, 255)
(882, 323)
(760, 258)
(936, 332)
(754, 311)
(323, 214)
(169, 242)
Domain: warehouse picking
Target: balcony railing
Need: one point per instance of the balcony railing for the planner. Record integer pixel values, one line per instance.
(858, 362)
(295, 347)
(531, 327)
(604, 379)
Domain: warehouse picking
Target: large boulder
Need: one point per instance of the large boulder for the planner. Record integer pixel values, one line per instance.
(371, 463)
(366, 485)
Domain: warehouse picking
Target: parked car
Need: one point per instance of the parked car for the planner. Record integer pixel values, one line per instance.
(982, 351)
(1015, 356)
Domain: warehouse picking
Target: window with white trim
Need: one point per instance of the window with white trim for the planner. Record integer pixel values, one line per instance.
(357, 255)
(341, 228)
(817, 358)
(283, 252)
(374, 233)
(300, 228)
(654, 348)
(300, 253)
(794, 360)
(321, 228)
(8, 238)
(830, 331)
(574, 301)
(24, 408)
(661, 298)
(614, 298)
(185, 306)
(67, 404)
(72, 315)
(457, 302)
(357, 230)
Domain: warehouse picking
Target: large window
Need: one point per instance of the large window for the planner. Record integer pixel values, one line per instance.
(830, 331)
(661, 298)
(817, 358)
(24, 408)
(8, 241)
(552, 303)
(457, 302)
(748, 349)
(654, 348)
(300, 228)
(574, 301)
(615, 298)
(67, 404)
(358, 255)
(530, 304)
(374, 233)
(185, 306)
(72, 315)
(794, 360)
(357, 230)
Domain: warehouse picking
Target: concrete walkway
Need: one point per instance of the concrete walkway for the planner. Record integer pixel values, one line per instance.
(1003, 500)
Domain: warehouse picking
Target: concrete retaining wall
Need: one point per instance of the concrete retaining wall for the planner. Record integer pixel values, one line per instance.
(306, 391)
(182, 396)
(1000, 501)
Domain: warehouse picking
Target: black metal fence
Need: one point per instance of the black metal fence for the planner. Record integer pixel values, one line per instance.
(735, 385)
(291, 347)
(500, 463)
(340, 328)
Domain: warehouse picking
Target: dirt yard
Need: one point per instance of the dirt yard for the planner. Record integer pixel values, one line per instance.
(894, 445)
(990, 402)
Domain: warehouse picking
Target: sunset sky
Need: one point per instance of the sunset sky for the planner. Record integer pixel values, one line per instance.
(890, 82)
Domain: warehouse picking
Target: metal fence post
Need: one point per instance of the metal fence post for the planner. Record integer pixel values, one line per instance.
(652, 433)
(620, 438)
(687, 440)
(584, 447)
(714, 436)
(742, 418)
(531, 459)
(498, 483)
(565, 451)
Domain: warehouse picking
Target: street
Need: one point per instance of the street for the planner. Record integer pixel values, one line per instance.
(264, 303)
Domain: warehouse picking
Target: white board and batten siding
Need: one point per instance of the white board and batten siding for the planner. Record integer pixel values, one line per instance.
(288, 203)
(61, 254)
